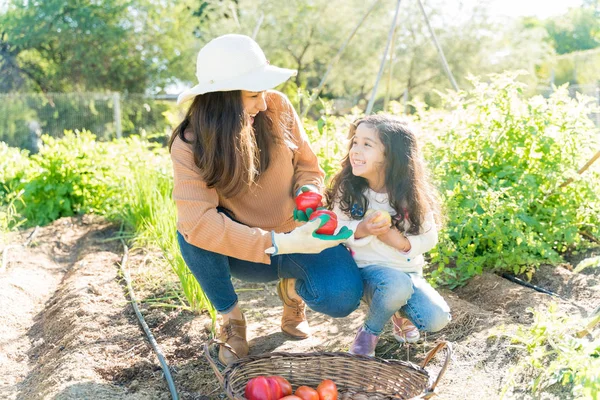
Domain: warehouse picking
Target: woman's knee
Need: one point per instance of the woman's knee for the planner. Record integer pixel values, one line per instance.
(339, 299)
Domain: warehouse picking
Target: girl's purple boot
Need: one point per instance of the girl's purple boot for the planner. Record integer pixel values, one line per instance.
(364, 343)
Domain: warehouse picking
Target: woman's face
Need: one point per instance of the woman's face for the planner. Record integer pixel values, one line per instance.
(254, 102)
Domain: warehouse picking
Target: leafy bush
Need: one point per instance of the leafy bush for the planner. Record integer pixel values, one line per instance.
(71, 175)
(500, 160)
(14, 164)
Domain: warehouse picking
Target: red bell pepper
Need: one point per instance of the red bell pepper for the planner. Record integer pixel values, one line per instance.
(308, 200)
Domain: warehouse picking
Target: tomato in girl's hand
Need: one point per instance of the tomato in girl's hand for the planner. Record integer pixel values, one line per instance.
(307, 393)
(286, 387)
(330, 226)
(258, 388)
(308, 200)
(327, 390)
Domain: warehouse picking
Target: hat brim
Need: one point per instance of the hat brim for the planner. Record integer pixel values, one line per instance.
(257, 81)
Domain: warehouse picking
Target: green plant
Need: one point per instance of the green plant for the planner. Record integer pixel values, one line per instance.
(9, 217)
(554, 354)
(149, 212)
(71, 175)
(14, 166)
(499, 159)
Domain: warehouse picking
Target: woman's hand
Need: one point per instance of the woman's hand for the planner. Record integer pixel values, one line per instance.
(396, 239)
(307, 201)
(371, 226)
(305, 239)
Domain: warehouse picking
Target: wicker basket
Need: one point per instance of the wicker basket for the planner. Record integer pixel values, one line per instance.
(357, 377)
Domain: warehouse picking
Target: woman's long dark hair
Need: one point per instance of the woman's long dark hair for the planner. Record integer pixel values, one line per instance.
(409, 191)
(230, 152)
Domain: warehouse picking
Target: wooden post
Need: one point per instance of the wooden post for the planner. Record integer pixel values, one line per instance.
(117, 114)
(388, 87)
(582, 169)
(383, 60)
(334, 61)
(439, 48)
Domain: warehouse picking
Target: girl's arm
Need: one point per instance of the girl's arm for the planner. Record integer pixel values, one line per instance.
(414, 245)
(198, 219)
(396, 239)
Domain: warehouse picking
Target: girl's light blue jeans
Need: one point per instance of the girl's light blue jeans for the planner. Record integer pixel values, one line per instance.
(329, 282)
(387, 290)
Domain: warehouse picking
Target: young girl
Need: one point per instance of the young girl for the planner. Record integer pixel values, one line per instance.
(384, 172)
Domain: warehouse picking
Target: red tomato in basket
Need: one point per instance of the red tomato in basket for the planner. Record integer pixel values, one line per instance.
(327, 390)
(329, 227)
(276, 392)
(307, 393)
(259, 388)
(291, 397)
(286, 387)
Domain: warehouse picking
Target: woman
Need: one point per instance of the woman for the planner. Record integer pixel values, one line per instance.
(239, 158)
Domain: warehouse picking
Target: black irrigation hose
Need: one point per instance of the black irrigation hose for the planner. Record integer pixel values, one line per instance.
(159, 354)
(521, 282)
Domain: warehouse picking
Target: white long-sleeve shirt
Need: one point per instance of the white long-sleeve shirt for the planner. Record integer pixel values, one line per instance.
(369, 250)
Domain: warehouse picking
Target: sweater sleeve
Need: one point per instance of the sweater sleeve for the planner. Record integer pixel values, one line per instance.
(198, 219)
(424, 241)
(420, 243)
(306, 164)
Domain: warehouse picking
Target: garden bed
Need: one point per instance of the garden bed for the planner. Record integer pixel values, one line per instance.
(67, 330)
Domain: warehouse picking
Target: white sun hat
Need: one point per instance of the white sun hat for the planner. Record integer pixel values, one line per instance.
(234, 62)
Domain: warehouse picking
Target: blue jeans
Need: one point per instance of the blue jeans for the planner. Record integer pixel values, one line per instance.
(387, 290)
(328, 282)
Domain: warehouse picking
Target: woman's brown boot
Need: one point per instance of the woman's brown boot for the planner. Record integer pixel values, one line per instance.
(293, 320)
(234, 334)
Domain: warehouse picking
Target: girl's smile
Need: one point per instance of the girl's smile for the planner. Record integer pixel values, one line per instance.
(367, 155)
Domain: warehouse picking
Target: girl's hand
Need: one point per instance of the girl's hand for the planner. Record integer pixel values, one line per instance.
(396, 239)
(369, 226)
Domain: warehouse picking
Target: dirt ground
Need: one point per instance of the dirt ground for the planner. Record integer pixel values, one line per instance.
(67, 330)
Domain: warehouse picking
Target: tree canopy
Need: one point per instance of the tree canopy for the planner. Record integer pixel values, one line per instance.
(145, 45)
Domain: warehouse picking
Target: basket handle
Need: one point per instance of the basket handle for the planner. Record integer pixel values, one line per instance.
(428, 358)
(210, 359)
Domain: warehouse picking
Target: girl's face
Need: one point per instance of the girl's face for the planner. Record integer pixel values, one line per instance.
(367, 156)
(254, 102)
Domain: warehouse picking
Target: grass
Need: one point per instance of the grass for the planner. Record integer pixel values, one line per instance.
(558, 350)
(151, 215)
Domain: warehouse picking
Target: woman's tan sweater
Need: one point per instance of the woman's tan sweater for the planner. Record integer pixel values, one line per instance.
(266, 206)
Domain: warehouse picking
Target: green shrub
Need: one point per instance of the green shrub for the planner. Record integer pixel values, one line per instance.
(499, 159)
(14, 164)
(71, 175)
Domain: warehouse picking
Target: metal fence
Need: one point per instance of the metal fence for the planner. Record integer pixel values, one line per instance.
(25, 116)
